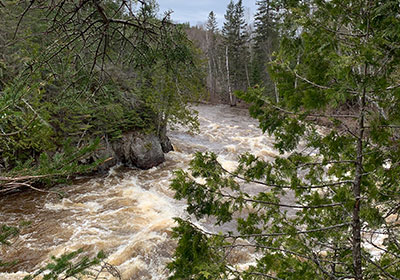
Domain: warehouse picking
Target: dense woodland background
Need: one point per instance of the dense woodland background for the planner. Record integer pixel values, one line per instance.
(73, 73)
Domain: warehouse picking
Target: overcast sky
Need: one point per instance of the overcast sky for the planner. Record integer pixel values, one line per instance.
(196, 11)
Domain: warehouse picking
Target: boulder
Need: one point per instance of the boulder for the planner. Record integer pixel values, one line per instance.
(133, 149)
(140, 150)
(166, 144)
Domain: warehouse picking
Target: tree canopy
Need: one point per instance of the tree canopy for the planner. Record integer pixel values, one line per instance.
(74, 71)
(235, 38)
(336, 68)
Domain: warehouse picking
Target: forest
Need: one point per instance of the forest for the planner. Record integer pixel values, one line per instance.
(127, 147)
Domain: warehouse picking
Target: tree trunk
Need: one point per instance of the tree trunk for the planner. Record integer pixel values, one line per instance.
(231, 97)
(210, 80)
(356, 223)
(296, 80)
(210, 72)
(247, 74)
(215, 75)
(276, 93)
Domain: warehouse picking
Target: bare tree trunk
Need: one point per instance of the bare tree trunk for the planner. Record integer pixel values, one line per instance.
(215, 75)
(210, 80)
(275, 87)
(276, 93)
(231, 97)
(247, 75)
(296, 79)
(210, 74)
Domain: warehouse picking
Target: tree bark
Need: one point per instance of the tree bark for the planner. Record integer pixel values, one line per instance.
(210, 72)
(356, 223)
(231, 97)
(247, 74)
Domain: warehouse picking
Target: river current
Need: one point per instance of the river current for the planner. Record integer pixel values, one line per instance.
(128, 213)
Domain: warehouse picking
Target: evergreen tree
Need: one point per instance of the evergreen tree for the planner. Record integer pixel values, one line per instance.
(90, 71)
(235, 37)
(329, 205)
(212, 30)
(266, 40)
(212, 25)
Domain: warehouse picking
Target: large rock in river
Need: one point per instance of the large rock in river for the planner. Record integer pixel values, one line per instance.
(134, 149)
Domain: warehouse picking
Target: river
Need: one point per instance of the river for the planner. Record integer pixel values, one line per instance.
(128, 213)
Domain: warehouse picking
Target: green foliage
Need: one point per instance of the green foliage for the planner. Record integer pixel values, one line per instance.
(235, 39)
(327, 207)
(205, 199)
(266, 38)
(7, 233)
(68, 266)
(123, 73)
(193, 257)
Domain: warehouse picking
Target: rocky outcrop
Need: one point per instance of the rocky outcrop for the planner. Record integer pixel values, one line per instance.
(166, 144)
(134, 149)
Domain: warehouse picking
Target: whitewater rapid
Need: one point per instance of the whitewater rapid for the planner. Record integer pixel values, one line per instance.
(128, 213)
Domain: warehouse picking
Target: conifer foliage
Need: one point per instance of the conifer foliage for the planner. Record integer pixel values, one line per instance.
(235, 37)
(75, 72)
(329, 205)
(266, 38)
(212, 53)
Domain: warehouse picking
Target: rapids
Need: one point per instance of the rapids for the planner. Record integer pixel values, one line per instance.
(127, 213)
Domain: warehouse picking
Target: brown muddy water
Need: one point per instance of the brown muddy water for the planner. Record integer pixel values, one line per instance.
(128, 213)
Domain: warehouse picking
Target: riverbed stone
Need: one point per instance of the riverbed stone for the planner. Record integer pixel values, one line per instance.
(140, 150)
(133, 149)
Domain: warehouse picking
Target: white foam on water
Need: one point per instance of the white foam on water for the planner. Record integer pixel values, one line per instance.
(13, 276)
(67, 204)
(229, 165)
(129, 214)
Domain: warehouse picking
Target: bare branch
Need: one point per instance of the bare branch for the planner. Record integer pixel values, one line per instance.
(275, 234)
(309, 82)
(22, 16)
(387, 274)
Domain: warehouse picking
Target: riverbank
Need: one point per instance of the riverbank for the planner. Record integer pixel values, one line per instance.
(128, 212)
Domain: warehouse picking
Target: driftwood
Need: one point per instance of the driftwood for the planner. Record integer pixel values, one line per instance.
(8, 184)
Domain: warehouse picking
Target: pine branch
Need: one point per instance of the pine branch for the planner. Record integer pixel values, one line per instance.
(279, 204)
(18, 131)
(305, 187)
(277, 234)
(384, 272)
(264, 275)
(280, 250)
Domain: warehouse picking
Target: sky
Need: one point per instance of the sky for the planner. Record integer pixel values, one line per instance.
(196, 11)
